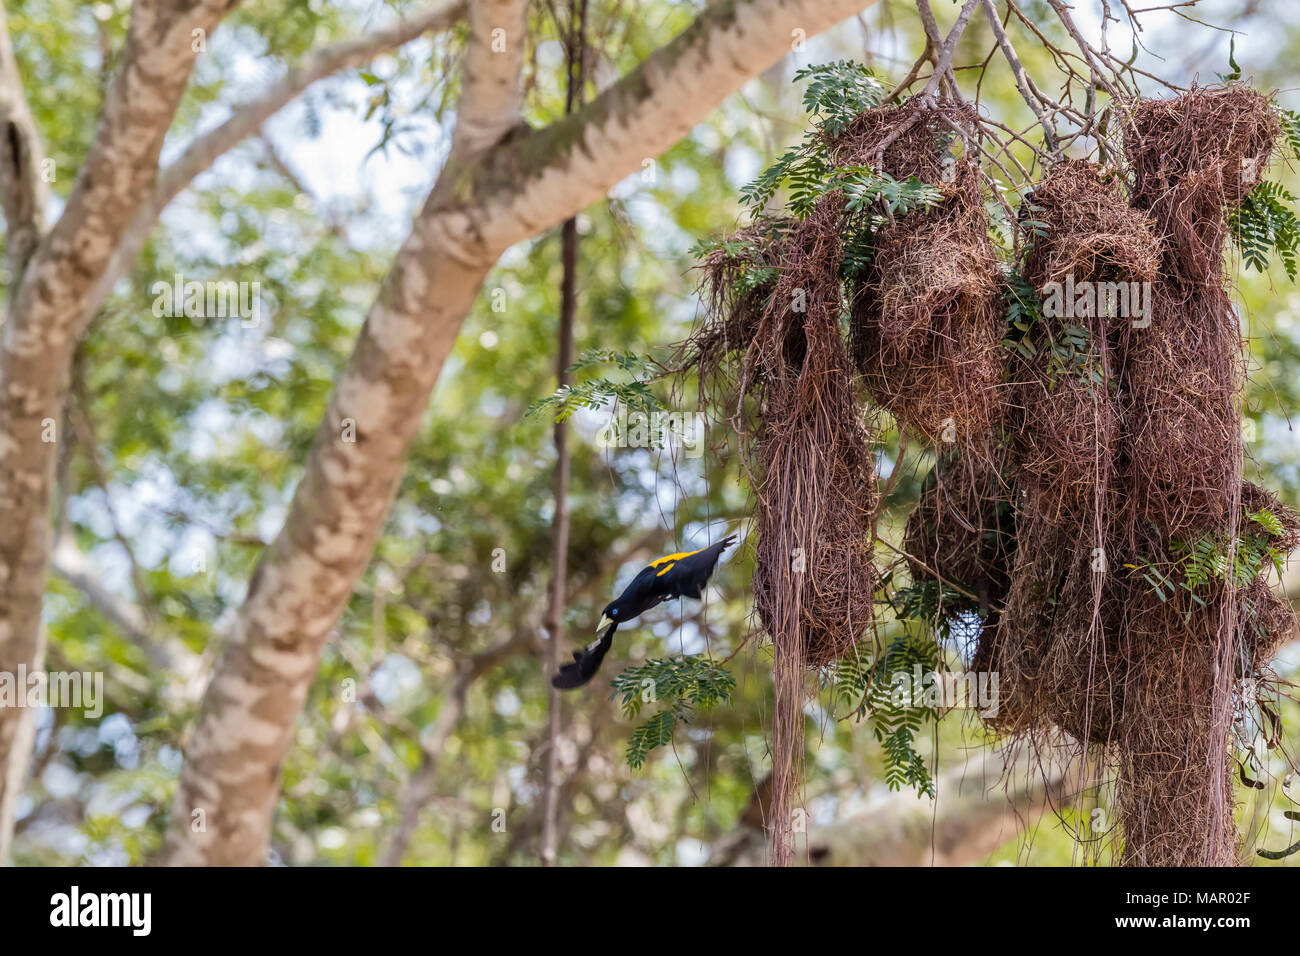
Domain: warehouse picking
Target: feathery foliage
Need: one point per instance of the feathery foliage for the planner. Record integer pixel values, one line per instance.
(1266, 224)
(1195, 562)
(635, 395)
(836, 94)
(1071, 350)
(679, 684)
(884, 691)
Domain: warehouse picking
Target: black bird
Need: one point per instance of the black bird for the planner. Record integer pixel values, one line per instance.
(674, 575)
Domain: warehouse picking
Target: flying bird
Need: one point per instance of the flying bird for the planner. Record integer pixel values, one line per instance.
(674, 575)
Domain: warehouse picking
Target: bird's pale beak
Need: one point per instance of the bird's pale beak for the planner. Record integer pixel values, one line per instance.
(605, 621)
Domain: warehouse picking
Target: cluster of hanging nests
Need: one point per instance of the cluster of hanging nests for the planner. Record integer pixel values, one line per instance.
(1079, 474)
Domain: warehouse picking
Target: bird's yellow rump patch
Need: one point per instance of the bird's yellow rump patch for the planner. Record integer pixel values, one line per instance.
(671, 559)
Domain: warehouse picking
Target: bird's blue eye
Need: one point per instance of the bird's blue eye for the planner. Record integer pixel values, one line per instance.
(614, 613)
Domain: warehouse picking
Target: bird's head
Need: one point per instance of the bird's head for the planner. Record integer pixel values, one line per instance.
(612, 615)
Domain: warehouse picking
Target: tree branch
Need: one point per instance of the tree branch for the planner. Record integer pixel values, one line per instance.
(169, 656)
(489, 99)
(576, 75)
(943, 63)
(247, 120)
(1023, 84)
(23, 188)
(968, 822)
(420, 788)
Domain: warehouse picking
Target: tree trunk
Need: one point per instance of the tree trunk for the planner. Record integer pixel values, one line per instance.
(48, 313)
(483, 203)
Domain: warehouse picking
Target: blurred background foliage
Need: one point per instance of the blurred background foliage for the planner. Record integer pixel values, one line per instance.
(187, 439)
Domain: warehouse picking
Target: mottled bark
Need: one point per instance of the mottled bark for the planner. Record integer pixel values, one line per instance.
(222, 812)
(46, 316)
(524, 183)
(23, 194)
(115, 205)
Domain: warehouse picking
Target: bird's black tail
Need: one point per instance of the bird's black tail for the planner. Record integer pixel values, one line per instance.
(585, 662)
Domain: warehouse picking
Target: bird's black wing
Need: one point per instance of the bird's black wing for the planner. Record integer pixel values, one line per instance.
(585, 662)
(687, 576)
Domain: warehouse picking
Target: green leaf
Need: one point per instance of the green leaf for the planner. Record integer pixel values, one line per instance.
(837, 93)
(678, 685)
(1234, 67)
(655, 732)
(1291, 130)
(634, 395)
(1265, 224)
(1269, 521)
